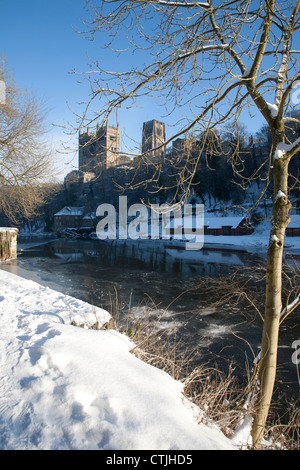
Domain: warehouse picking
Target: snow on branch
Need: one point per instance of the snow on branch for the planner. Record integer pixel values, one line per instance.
(279, 195)
(282, 149)
(181, 4)
(273, 110)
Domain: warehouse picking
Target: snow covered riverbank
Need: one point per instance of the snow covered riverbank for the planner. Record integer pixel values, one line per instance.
(64, 387)
(257, 242)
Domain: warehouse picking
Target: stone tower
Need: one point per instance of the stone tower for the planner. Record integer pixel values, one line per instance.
(153, 135)
(96, 149)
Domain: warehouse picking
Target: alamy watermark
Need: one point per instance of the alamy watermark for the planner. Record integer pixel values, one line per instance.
(296, 353)
(2, 92)
(180, 222)
(295, 95)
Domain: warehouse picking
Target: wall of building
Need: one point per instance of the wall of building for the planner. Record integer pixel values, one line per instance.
(97, 149)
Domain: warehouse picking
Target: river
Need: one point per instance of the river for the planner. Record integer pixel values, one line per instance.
(153, 280)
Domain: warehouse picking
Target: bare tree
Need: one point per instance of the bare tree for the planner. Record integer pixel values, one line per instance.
(210, 60)
(25, 164)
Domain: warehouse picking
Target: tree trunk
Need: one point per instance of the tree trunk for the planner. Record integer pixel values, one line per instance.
(273, 303)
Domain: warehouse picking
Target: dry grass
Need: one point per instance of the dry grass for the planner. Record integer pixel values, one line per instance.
(286, 435)
(218, 396)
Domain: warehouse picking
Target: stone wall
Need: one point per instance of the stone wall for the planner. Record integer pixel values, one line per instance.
(8, 243)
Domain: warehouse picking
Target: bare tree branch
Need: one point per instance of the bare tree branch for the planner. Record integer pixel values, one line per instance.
(26, 168)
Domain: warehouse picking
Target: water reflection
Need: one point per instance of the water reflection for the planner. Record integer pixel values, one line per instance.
(161, 257)
(156, 273)
(91, 269)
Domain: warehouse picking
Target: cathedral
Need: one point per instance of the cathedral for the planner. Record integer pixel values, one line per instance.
(154, 135)
(99, 150)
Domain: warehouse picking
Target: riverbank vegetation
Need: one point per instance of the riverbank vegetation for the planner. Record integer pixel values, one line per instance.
(222, 392)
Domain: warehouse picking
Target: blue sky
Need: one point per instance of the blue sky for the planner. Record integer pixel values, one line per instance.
(42, 48)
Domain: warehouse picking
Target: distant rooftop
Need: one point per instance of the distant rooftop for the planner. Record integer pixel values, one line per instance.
(219, 222)
(70, 211)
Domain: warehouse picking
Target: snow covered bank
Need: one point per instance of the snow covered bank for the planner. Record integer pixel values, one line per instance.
(63, 387)
(257, 242)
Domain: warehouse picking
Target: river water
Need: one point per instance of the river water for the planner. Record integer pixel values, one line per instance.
(152, 280)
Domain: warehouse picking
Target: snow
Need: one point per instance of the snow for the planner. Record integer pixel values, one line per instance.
(283, 148)
(254, 243)
(274, 238)
(280, 151)
(8, 229)
(70, 211)
(279, 195)
(170, 3)
(219, 222)
(242, 433)
(273, 110)
(64, 387)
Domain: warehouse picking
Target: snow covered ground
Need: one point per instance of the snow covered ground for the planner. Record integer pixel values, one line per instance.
(256, 242)
(64, 387)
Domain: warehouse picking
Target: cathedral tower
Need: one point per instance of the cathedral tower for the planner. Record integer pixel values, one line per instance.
(97, 149)
(153, 135)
